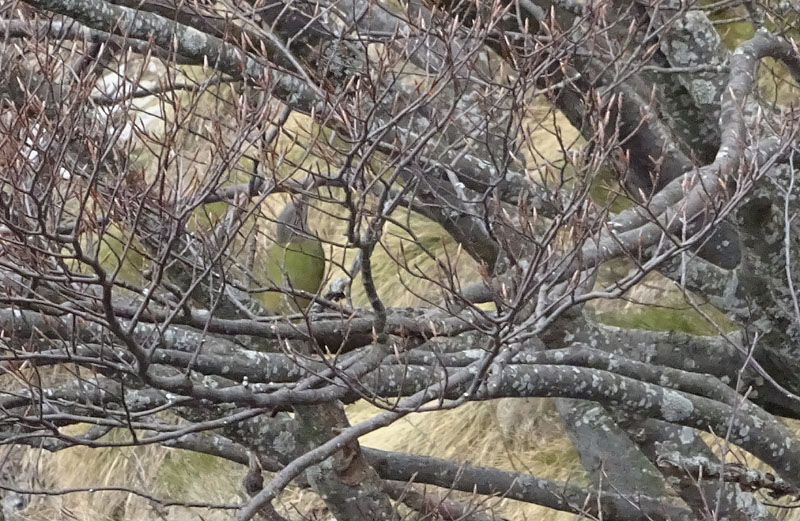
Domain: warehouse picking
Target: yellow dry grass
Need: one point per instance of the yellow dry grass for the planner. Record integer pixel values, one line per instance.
(158, 472)
(516, 435)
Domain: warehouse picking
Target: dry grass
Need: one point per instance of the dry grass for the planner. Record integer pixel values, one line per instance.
(517, 435)
(156, 471)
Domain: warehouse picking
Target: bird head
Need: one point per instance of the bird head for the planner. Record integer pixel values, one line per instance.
(292, 222)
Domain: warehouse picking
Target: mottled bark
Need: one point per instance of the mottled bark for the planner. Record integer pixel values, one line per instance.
(707, 497)
(606, 452)
(691, 100)
(347, 483)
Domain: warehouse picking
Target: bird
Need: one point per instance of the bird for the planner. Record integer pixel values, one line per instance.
(296, 260)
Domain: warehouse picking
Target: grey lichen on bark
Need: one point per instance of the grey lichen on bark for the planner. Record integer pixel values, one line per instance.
(693, 42)
(346, 482)
(606, 452)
